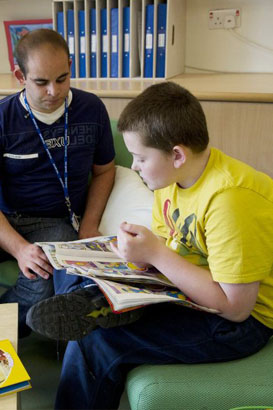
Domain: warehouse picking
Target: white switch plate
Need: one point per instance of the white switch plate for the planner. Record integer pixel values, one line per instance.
(224, 19)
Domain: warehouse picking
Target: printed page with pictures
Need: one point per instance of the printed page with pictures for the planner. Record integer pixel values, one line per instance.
(93, 257)
(124, 284)
(122, 296)
(92, 248)
(114, 270)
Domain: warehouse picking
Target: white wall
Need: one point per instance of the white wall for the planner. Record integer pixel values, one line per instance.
(19, 10)
(219, 50)
(216, 50)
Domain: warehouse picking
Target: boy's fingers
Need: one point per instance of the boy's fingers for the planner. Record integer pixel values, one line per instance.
(130, 228)
(113, 246)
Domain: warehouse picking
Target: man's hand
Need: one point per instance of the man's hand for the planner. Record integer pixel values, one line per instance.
(31, 258)
(136, 243)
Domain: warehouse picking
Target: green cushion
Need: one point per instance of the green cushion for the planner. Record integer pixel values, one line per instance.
(123, 157)
(218, 386)
(253, 408)
(8, 273)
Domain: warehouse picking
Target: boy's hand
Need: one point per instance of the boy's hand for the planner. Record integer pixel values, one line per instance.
(135, 243)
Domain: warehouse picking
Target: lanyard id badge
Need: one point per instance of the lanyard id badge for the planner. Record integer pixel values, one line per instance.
(74, 219)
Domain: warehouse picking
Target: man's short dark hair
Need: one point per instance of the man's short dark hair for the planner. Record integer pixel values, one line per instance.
(33, 40)
(165, 115)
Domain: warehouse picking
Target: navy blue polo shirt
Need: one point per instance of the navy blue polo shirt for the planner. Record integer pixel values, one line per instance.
(28, 182)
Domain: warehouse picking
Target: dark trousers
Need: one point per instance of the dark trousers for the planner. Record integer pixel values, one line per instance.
(27, 292)
(95, 368)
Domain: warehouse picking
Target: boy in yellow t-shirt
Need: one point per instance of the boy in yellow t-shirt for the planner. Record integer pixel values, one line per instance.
(213, 215)
(211, 236)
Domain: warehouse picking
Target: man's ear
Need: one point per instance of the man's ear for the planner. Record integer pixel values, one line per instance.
(19, 75)
(179, 156)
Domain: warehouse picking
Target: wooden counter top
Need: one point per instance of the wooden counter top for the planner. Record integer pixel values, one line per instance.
(229, 87)
(206, 87)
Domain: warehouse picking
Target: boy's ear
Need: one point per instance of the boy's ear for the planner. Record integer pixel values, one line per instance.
(19, 75)
(179, 156)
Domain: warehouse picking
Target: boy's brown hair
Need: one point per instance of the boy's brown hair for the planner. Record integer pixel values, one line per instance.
(33, 40)
(165, 115)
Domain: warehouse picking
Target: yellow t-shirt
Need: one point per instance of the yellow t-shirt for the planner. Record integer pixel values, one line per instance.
(223, 222)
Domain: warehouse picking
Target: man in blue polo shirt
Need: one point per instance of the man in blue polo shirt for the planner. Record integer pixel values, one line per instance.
(51, 138)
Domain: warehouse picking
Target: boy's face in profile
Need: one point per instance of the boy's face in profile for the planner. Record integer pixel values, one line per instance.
(155, 167)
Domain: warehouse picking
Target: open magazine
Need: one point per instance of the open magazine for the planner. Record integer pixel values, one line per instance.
(124, 284)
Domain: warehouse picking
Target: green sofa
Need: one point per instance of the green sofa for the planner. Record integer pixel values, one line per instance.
(219, 386)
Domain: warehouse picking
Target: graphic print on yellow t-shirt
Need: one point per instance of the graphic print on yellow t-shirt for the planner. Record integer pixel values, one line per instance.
(183, 235)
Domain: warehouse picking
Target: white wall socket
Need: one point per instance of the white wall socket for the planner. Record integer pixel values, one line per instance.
(224, 19)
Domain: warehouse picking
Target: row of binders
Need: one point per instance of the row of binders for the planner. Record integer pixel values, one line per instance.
(116, 42)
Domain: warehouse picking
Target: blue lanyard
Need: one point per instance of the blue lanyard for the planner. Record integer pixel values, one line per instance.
(65, 182)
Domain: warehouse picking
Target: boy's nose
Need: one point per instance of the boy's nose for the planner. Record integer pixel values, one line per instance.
(134, 167)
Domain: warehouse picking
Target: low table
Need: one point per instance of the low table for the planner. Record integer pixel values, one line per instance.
(9, 330)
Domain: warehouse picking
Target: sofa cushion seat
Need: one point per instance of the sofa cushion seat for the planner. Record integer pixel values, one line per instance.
(212, 386)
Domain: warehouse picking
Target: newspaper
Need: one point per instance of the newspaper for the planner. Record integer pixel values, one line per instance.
(122, 297)
(124, 284)
(94, 257)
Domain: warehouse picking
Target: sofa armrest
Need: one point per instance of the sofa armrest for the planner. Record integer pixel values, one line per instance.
(123, 157)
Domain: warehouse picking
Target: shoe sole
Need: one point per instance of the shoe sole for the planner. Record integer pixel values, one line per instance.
(67, 317)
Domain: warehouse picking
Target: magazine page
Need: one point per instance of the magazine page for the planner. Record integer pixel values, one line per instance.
(123, 296)
(115, 270)
(64, 259)
(68, 255)
(49, 250)
(92, 247)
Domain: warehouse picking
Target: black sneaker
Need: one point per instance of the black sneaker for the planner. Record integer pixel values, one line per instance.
(72, 316)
